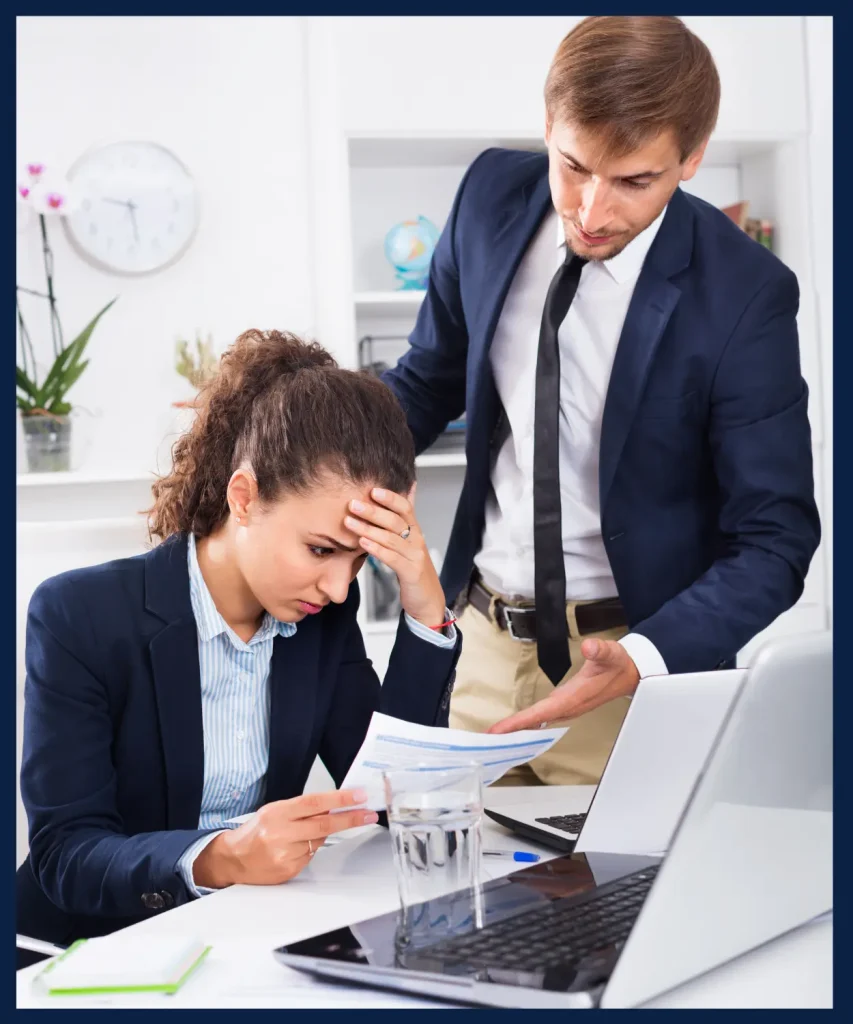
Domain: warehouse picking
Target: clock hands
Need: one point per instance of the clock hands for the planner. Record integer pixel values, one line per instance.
(131, 209)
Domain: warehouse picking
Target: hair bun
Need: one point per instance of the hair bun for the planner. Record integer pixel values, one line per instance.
(284, 407)
(279, 351)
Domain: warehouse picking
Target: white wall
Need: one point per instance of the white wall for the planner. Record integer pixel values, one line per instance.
(438, 74)
(227, 96)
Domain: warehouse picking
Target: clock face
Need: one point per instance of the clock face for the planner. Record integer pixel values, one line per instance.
(139, 207)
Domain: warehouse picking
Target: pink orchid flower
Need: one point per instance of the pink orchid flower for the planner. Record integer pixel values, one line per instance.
(29, 175)
(54, 197)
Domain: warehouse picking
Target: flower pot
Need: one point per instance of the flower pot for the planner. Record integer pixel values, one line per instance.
(47, 441)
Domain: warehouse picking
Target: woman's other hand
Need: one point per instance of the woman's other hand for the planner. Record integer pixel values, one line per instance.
(275, 844)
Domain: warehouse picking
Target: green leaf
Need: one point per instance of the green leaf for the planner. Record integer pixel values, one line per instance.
(24, 404)
(54, 374)
(64, 385)
(82, 339)
(55, 385)
(24, 383)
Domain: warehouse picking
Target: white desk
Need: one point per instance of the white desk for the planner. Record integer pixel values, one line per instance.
(355, 880)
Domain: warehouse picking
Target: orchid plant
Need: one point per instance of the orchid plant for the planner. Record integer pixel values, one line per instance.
(47, 197)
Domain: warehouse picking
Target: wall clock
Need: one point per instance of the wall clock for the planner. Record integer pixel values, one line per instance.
(138, 210)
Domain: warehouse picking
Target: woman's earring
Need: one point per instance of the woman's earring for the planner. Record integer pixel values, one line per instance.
(238, 519)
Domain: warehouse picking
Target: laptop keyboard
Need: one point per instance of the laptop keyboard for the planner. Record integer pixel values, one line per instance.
(572, 823)
(562, 932)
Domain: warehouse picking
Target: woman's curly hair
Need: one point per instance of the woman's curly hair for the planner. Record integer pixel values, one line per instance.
(283, 407)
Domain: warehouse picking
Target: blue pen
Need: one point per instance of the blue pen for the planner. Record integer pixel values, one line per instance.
(517, 855)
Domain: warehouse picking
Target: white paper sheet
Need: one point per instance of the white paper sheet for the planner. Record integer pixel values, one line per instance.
(393, 743)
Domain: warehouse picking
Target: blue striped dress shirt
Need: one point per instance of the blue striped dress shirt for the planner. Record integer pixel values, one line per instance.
(235, 709)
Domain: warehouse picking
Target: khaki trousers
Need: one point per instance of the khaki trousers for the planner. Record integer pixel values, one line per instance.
(497, 676)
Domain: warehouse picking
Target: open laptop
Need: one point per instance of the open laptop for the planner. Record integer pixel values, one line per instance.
(751, 859)
(664, 741)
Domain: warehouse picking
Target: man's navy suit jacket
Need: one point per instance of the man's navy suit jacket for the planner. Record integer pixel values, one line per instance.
(705, 474)
(113, 756)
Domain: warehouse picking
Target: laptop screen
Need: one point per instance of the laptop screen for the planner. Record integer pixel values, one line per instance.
(389, 941)
(752, 857)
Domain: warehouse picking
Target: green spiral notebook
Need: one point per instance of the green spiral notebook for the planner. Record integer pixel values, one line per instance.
(117, 963)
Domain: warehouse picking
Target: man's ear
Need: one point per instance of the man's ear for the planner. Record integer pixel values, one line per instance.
(691, 164)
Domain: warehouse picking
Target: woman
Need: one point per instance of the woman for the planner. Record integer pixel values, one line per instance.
(170, 692)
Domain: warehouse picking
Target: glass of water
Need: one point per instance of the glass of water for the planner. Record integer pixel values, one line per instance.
(435, 818)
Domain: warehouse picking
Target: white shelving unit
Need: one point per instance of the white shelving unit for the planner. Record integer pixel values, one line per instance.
(380, 627)
(79, 496)
(381, 305)
(440, 460)
(82, 478)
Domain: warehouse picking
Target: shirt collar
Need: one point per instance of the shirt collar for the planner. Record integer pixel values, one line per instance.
(210, 623)
(628, 263)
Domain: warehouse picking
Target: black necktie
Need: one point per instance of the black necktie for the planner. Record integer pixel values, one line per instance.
(552, 630)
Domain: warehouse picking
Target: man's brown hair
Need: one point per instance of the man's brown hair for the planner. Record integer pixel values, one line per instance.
(627, 79)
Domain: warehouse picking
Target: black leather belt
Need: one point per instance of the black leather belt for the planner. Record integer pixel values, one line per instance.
(520, 621)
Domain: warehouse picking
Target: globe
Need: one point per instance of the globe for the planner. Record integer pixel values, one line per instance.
(409, 246)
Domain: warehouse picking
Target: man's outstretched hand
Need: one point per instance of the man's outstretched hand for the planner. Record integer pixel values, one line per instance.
(608, 672)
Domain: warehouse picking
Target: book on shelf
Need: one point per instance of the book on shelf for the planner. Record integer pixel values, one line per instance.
(760, 229)
(451, 439)
(375, 361)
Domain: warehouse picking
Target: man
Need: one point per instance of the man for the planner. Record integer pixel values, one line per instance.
(639, 495)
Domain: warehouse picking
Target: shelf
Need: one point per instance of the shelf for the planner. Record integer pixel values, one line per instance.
(414, 150)
(440, 460)
(384, 628)
(388, 304)
(430, 150)
(79, 478)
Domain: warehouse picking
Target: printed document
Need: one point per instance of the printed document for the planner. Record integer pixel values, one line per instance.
(393, 743)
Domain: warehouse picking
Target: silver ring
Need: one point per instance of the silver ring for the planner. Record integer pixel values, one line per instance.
(406, 532)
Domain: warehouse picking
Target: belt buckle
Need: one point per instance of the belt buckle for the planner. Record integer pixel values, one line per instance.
(508, 614)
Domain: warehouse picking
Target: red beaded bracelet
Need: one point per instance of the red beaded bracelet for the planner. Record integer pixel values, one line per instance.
(442, 626)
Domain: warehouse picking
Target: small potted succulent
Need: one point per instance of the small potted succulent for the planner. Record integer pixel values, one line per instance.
(197, 367)
(197, 363)
(42, 397)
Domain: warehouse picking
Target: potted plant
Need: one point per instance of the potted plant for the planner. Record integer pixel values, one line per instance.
(198, 368)
(42, 399)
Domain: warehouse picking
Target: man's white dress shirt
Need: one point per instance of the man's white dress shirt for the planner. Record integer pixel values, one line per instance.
(588, 338)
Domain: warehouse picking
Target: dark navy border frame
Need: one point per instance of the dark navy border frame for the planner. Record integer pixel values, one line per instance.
(842, 368)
